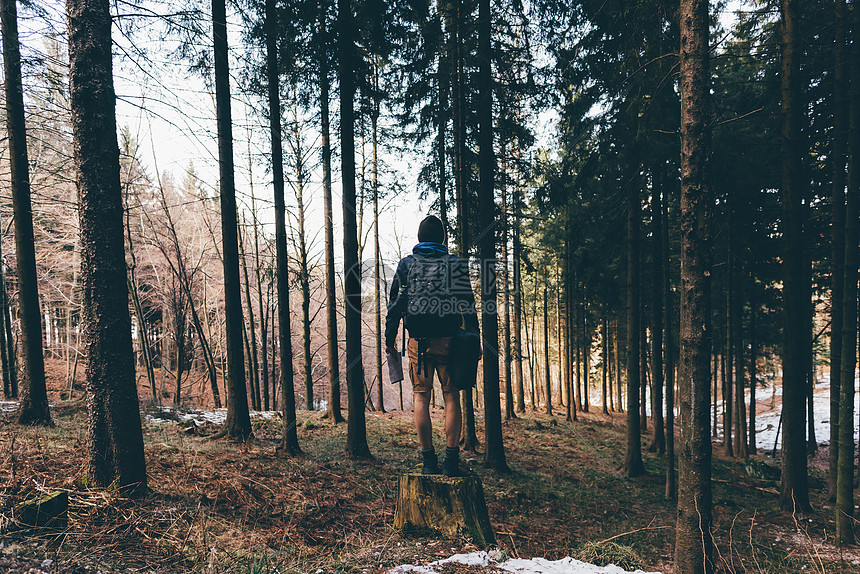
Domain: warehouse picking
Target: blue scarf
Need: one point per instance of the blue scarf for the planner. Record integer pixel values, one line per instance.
(430, 249)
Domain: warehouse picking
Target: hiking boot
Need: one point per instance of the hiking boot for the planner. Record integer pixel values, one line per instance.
(451, 465)
(430, 463)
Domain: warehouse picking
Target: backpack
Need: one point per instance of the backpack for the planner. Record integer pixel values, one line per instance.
(431, 304)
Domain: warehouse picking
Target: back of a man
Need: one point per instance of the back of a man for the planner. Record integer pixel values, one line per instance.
(432, 292)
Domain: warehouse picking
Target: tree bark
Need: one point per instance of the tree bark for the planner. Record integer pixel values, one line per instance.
(794, 494)
(693, 539)
(33, 408)
(356, 441)
(377, 254)
(841, 119)
(547, 380)
(658, 437)
(845, 476)
(238, 422)
(333, 411)
(633, 465)
(289, 437)
(494, 456)
(115, 445)
(251, 335)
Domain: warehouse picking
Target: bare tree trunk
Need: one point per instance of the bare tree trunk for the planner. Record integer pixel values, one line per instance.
(333, 411)
(669, 354)
(693, 539)
(251, 334)
(841, 120)
(494, 455)
(633, 465)
(506, 336)
(794, 495)
(289, 437)
(658, 437)
(516, 340)
(33, 408)
(115, 446)
(238, 421)
(751, 448)
(262, 312)
(10, 379)
(377, 255)
(845, 477)
(356, 444)
(547, 381)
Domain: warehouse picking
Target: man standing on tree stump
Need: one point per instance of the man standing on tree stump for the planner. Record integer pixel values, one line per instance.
(432, 292)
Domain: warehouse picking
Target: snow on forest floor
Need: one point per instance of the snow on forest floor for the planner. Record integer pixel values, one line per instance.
(489, 562)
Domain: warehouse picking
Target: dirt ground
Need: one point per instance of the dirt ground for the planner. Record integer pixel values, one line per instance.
(219, 506)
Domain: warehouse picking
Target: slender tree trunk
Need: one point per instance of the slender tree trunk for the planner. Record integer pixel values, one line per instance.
(740, 439)
(251, 335)
(841, 119)
(333, 411)
(669, 354)
(658, 438)
(494, 455)
(751, 448)
(516, 340)
(618, 387)
(262, 312)
(238, 421)
(33, 408)
(115, 446)
(728, 358)
(693, 539)
(145, 347)
(356, 441)
(633, 465)
(506, 337)
(794, 495)
(604, 338)
(289, 438)
(443, 81)
(845, 476)
(10, 390)
(547, 381)
(377, 255)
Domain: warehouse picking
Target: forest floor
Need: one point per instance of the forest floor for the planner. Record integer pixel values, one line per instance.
(219, 506)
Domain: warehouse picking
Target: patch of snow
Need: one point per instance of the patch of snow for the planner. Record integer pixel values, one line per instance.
(216, 416)
(8, 406)
(514, 565)
(768, 420)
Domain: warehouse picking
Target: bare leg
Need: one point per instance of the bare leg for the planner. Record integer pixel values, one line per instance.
(421, 407)
(453, 418)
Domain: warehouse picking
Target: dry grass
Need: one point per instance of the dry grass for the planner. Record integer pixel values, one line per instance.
(226, 507)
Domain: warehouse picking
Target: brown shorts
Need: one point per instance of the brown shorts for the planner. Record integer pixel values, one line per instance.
(434, 359)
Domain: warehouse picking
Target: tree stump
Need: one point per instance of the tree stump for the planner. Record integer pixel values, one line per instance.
(450, 506)
(50, 510)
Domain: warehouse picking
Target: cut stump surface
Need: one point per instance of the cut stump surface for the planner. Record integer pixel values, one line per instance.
(450, 506)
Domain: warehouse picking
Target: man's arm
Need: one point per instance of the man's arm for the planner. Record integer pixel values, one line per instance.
(396, 304)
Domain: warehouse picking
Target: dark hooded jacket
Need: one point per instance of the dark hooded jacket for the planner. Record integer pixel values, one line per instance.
(461, 288)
